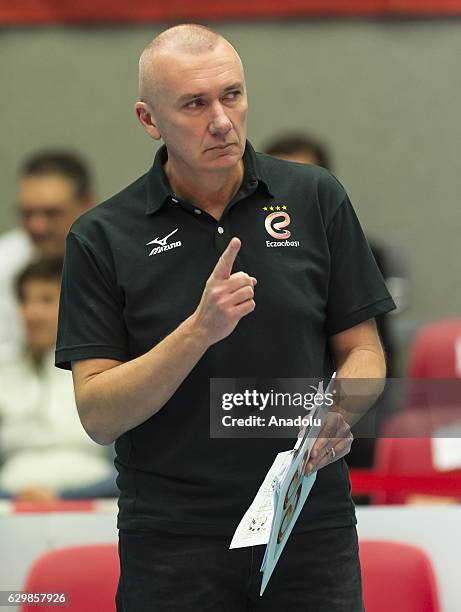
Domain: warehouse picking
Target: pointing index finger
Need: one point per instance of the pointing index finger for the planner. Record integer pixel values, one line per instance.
(223, 268)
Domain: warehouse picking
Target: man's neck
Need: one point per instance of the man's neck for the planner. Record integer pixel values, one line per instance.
(211, 192)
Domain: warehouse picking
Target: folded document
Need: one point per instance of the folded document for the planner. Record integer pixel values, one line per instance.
(279, 500)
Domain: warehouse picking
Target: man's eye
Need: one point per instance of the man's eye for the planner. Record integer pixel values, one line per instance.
(194, 104)
(232, 95)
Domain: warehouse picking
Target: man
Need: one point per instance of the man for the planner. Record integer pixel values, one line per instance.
(175, 281)
(45, 454)
(54, 189)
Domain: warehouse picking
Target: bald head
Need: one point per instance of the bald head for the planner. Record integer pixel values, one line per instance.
(184, 39)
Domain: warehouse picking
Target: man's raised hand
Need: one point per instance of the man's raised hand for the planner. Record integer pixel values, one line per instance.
(226, 298)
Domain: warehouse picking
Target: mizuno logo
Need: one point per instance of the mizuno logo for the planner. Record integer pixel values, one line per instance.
(163, 246)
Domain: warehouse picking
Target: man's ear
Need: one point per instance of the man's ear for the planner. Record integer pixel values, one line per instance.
(146, 119)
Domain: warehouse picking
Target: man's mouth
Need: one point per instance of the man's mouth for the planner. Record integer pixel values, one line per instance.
(224, 146)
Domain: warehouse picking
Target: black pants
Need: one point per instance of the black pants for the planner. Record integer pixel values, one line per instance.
(318, 571)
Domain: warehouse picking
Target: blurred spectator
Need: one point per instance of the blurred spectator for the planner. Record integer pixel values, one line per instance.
(45, 452)
(301, 148)
(54, 189)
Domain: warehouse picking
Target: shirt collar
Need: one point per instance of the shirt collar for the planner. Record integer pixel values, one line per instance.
(159, 190)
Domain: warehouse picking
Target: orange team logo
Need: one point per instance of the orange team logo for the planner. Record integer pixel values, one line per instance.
(276, 221)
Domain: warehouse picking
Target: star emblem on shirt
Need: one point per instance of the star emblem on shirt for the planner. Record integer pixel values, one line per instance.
(274, 207)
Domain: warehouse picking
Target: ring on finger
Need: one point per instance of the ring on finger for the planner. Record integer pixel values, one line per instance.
(332, 453)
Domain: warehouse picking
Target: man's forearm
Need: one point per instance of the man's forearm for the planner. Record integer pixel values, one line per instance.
(361, 380)
(117, 399)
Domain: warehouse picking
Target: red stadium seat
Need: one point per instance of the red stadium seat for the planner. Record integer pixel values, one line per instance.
(397, 577)
(435, 353)
(401, 456)
(412, 455)
(88, 574)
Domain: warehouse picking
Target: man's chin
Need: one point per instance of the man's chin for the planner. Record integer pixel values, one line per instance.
(227, 158)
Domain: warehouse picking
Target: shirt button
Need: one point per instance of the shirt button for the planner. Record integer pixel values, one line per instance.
(220, 230)
(197, 211)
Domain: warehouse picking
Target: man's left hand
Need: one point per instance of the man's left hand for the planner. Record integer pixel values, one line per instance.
(334, 441)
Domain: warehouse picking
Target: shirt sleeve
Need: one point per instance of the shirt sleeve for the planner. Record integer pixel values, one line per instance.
(357, 291)
(91, 323)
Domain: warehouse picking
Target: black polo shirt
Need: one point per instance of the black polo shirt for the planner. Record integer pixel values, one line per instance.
(136, 267)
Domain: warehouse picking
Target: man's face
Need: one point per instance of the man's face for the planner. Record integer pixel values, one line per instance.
(47, 208)
(39, 310)
(201, 107)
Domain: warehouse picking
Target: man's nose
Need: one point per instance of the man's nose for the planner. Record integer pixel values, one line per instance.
(220, 123)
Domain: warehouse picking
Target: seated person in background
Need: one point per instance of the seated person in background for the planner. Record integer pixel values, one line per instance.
(44, 450)
(54, 188)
